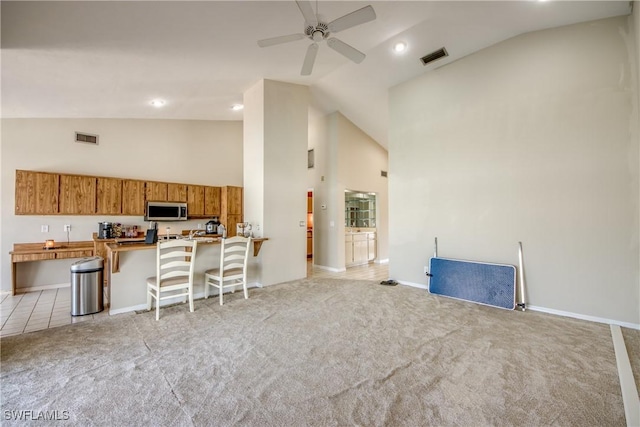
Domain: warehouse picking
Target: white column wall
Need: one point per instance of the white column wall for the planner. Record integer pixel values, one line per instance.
(283, 135)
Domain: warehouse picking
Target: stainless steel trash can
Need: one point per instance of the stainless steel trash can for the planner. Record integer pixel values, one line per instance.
(87, 286)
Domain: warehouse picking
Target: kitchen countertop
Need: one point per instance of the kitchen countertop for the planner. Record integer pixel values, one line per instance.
(114, 249)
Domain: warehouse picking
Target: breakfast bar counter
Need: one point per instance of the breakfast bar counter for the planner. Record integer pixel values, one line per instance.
(129, 264)
(114, 249)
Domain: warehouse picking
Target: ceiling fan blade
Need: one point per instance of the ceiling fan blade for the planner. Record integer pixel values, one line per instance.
(344, 49)
(280, 39)
(307, 11)
(352, 19)
(309, 59)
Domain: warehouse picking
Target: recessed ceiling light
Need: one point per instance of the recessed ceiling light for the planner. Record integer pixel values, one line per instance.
(237, 107)
(158, 103)
(399, 47)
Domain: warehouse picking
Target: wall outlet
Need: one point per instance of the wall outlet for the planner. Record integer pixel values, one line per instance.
(67, 227)
(44, 228)
(199, 226)
(426, 270)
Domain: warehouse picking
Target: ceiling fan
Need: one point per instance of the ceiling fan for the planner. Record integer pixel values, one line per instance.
(317, 30)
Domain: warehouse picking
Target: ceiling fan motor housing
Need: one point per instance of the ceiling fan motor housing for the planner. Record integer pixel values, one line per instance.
(317, 33)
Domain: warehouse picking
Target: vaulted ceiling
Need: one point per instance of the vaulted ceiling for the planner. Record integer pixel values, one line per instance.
(109, 59)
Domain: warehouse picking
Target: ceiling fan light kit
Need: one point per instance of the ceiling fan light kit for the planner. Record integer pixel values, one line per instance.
(317, 31)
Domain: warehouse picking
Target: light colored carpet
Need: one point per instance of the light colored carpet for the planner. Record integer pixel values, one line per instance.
(319, 352)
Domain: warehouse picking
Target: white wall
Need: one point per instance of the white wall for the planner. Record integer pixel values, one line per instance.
(347, 158)
(277, 125)
(532, 140)
(360, 162)
(184, 151)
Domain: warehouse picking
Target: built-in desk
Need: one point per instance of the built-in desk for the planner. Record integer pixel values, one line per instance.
(31, 252)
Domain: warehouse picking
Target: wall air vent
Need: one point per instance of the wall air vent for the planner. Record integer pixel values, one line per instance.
(383, 174)
(87, 138)
(433, 56)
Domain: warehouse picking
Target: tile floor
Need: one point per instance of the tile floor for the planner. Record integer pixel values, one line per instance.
(34, 311)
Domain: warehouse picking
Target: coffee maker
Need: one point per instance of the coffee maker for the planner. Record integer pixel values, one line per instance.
(105, 230)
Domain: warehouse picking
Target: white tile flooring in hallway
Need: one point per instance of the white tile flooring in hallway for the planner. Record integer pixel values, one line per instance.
(33, 311)
(378, 272)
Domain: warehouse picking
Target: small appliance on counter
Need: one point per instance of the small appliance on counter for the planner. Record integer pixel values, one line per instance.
(152, 233)
(105, 230)
(211, 227)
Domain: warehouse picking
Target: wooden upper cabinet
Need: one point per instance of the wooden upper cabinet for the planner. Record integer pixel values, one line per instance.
(212, 201)
(133, 197)
(109, 196)
(77, 195)
(36, 193)
(231, 208)
(232, 200)
(45, 193)
(177, 192)
(195, 200)
(156, 191)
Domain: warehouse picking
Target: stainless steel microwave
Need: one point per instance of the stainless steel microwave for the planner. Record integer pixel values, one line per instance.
(165, 211)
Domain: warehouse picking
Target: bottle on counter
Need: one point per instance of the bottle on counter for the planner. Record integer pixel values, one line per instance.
(222, 230)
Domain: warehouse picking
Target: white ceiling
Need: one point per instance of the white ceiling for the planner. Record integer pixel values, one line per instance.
(110, 59)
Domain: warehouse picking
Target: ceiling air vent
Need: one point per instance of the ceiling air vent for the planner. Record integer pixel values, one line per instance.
(86, 138)
(440, 53)
(383, 174)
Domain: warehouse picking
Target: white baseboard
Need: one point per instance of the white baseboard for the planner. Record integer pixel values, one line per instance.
(553, 311)
(414, 285)
(127, 309)
(42, 288)
(625, 373)
(382, 261)
(583, 317)
(324, 267)
(197, 295)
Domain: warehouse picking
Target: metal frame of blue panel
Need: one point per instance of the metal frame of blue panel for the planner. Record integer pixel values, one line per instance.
(483, 283)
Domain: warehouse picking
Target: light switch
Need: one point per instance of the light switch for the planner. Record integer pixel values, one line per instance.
(302, 223)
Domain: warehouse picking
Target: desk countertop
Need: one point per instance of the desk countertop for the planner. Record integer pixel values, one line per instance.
(38, 248)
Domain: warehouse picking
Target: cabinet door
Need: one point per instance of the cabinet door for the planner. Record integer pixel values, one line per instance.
(348, 252)
(231, 208)
(156, 191)
(212, 201)
(77, 195)
(177, 192)
(231, 222)
(360, 249)
(109, 196)
(195, 200)
(36, 193)
(133, 197)
(371, 246)
(232, 200)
